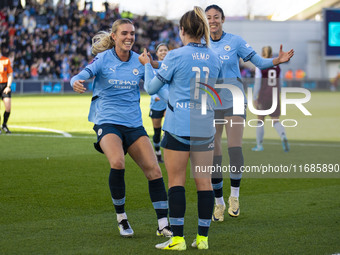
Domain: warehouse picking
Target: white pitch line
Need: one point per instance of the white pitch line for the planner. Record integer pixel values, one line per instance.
(53, 136)
(65, 134)
(301, 144)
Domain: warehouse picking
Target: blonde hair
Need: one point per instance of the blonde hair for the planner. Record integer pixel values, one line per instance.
(195, 24)
(103, 41)
(267, 52)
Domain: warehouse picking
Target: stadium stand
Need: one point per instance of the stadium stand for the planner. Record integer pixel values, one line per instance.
(54, 42)
(51, 43)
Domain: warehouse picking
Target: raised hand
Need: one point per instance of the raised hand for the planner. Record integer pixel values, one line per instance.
(284, 56)
(143, 58)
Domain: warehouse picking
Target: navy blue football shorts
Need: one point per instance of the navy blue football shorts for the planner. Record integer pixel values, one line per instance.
(128, 135)
(156, 114)
(181, 143)
(221, 113)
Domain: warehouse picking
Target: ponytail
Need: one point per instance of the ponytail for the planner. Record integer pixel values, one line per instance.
(201, 14)
(102, 41)
(195, 24)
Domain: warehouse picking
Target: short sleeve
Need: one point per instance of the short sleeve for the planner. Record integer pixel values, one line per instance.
(167, 68)
(9, 67)
(245, 51)
(94, 67)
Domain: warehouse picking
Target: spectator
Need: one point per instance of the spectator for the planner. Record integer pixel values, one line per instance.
(289, 75)
(43, 31)
(300, 74)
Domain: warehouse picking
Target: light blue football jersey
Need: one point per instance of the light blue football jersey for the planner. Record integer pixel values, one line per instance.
(159, 105)
(116, 96)
(190, 71)
(230, 49)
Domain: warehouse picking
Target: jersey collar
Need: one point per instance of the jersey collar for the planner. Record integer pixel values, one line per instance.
(115, 54)
(200, 45)
(223, 34)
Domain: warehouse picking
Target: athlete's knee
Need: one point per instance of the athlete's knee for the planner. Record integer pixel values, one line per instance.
(275, 120)
(217, 146)
(152, 171)
(7, 106)
(204, 184)
(117, 162)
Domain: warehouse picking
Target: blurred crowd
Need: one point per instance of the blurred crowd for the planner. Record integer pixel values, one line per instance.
(54, 41)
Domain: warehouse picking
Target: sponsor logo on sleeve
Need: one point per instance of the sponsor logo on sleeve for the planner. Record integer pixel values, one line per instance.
(165, 67)
(93, 60)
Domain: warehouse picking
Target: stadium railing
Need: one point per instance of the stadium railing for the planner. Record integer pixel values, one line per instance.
(43, 86)
(310, 84)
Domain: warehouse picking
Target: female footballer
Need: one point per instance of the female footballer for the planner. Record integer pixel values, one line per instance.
(230, 49)
(116, 114)
(158, 107)
(189, 133)
(266, 87)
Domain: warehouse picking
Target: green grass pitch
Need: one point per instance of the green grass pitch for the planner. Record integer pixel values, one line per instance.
(54, 195)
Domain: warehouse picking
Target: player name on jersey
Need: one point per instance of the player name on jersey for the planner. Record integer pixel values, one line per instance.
(200, 56)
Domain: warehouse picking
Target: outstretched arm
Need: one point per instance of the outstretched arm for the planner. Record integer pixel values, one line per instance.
(77, 82)
(264, 63)
(283, 56)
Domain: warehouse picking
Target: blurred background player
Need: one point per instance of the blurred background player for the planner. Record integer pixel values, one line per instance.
(115, 111)
(230, 49)
(158, 107)
(265, 81)
(6, 78)
(335, 81)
